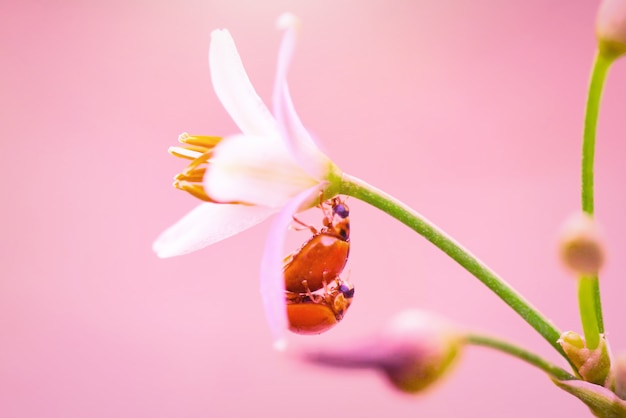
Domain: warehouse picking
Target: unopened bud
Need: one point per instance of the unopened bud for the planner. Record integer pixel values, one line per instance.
(413, 351)
(600, 400)
(574, 346)
(620, 376)
(581, 244)
(611, 27)
(593, 365)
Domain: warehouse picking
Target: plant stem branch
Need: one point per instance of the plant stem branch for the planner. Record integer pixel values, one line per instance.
(359, 189)
(589, 301)
(521, 353)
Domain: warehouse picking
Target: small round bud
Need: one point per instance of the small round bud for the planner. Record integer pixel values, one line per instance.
(413, 351)
(593, 365)
(423, 347)
(574, 346)
(611, 27)
(581, 244)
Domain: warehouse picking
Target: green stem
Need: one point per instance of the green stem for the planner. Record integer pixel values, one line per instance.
(357, 188)
(589, 301)
(599, 71)
(587, 287)
(485, 341)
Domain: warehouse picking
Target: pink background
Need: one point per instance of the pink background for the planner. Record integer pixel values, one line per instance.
(471, 113)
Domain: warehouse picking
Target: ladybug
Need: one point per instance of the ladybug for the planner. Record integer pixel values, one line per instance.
(323, 257)
(313, 313)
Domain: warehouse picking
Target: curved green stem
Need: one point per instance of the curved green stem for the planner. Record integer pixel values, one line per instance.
(357, 188)
(599, 71)
(588, 287)
(485, 341)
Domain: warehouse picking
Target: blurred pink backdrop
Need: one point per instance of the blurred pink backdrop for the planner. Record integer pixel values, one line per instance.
(471, 112)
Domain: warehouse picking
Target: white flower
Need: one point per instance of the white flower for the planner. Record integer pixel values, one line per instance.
(272, 166)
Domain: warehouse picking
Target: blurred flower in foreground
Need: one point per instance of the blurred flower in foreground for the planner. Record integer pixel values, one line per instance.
(611, 27)
(593, 365)
(581, 244)
(414, 351)
(272, 166)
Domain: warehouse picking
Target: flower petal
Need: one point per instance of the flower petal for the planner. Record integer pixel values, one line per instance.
(255, 170)
(207, 224)
(297, 138)
(272, 280)
(233, 87)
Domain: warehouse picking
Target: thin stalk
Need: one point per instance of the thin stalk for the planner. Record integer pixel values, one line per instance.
(357, 188)
(521, 353)
(589, 301)
(587, 286)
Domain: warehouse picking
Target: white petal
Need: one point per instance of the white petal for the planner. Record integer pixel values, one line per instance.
(207, 224)
(255, 170)
(272, 279)
(297, 138)
(234, 90)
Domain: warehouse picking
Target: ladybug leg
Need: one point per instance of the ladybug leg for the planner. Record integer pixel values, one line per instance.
(291, 297)
(325, 283)
(303, 226)
(312, 297)
(321, 199)
(328, 290)
(327, 209)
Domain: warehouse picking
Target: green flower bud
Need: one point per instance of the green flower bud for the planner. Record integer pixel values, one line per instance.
(421, 348)
(600, 400)
(592, 365)
(611, 28)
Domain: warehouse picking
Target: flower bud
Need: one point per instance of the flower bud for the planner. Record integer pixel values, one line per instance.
(413, 351)
(600, 400)
(620, 376)
(593, 365)
(611, 28)
(581, 244)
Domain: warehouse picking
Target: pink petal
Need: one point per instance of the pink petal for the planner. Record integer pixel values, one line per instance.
(234, 90)
(272, 281)
(299, 141)
(206, 224)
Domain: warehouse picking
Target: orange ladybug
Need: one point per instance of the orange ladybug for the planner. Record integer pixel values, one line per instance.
(314, 313)
(323, 257)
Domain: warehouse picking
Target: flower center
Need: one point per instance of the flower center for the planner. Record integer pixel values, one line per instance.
(199, 150)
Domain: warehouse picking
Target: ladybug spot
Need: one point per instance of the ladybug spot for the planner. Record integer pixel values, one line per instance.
(327, 240)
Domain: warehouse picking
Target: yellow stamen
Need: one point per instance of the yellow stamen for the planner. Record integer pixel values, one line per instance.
(195, 175)
(204, 158)
(183, 152)
(193, 189)
(207, 142)
(198, 149)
